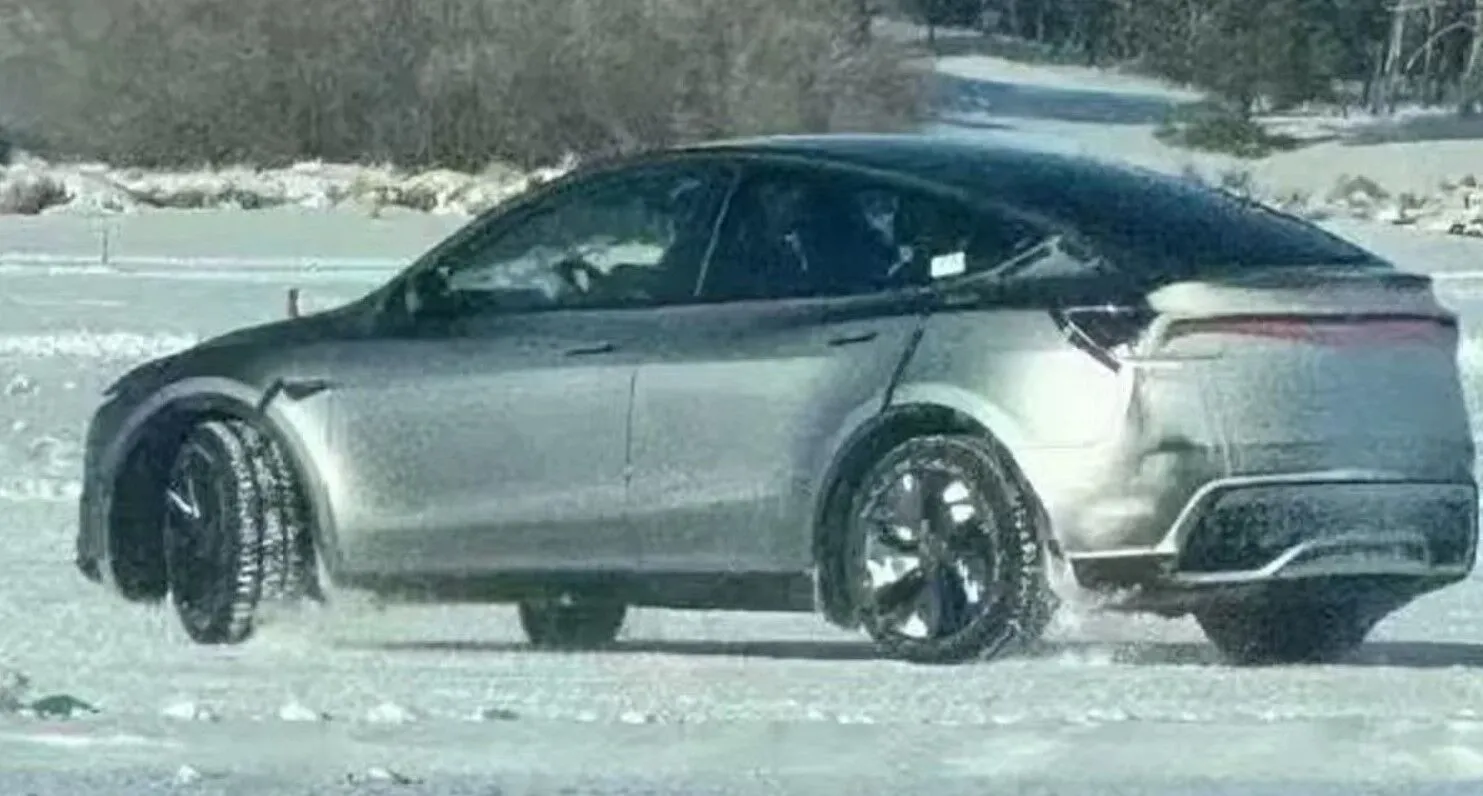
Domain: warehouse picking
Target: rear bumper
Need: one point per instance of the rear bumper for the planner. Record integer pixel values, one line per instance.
(1253, 531)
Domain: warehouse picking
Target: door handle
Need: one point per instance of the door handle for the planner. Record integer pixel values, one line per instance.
(852, 339)
(589, 350)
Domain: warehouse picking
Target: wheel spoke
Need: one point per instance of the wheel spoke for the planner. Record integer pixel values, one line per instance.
(182, 504)
(186, 509)
(933, 502)
(949, 603)
(896, 539)
(892, 597)
(192, 490)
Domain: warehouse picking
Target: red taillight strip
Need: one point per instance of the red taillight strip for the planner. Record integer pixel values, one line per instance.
(1347, 330)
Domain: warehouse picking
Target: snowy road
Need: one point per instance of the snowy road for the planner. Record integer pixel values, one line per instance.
(690, 702)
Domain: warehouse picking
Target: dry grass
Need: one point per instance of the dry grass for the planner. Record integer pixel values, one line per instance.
(454, 83)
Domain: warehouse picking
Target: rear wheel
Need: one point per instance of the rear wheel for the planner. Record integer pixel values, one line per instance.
(1288, 631)
(234, 530)
(944, 550)
(572, 623)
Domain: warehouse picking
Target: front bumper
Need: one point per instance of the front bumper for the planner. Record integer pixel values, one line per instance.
(92, 558)
(1253, 531)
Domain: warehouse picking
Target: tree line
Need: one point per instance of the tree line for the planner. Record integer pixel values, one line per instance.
(447, 83)
(1256, 53)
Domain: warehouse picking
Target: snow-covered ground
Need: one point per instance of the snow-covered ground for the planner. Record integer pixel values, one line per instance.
(691, 702)
(353, 700)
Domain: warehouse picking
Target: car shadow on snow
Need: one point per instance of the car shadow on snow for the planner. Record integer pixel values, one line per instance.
(1377, 654)
(776, 650)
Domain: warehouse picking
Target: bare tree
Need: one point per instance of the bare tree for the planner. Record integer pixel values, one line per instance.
(448, 82)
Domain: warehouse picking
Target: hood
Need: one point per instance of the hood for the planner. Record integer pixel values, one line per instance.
(348, 320)
(337, 322)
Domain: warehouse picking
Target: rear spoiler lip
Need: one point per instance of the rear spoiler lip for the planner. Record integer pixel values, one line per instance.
(1314, 275)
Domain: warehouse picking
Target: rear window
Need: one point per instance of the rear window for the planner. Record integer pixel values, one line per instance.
(1170, 223)
(1196, 226)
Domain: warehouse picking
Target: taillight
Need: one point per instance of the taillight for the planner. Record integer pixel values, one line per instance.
(1106, 333)
(1321, 330)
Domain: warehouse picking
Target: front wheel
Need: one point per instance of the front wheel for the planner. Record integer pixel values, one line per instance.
(234, 530)
(581, 623)
(943, 545)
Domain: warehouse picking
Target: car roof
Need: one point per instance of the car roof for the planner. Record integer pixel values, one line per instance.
(930, 157)
(1154, 214)
(1070, 188)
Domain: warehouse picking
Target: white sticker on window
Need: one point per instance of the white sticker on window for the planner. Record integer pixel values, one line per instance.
(946, 265)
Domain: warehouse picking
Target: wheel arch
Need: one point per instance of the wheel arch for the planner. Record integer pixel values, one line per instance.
(911, 413)
(141, 460)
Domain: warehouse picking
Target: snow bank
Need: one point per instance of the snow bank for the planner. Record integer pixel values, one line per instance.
(1454, 206)
(31, 186)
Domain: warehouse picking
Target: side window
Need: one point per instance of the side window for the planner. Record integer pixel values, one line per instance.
(792, 234)
(635, 238)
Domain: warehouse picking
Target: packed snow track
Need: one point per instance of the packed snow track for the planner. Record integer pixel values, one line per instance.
(448, 700)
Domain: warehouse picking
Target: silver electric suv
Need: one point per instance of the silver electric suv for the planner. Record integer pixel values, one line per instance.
(918, 385)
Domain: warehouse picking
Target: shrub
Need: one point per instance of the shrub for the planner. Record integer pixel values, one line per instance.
(28, 192)
(1216, 129)
(454, 83)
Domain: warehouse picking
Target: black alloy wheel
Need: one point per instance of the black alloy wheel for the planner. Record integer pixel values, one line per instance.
(947, 553)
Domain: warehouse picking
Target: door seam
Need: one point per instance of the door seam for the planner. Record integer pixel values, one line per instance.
(903, 362)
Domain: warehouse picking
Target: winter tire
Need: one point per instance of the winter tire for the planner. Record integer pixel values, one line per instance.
(234, 530)
(288, 557)
(944, 554)
(582, 623)
(1285, 632)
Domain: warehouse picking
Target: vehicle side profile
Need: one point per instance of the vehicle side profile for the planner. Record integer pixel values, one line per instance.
(918, 385)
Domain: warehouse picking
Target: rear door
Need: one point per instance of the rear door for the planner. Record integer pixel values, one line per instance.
(806, 310)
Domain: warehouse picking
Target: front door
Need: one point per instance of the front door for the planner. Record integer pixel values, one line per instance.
(499, 446)
(491, 434)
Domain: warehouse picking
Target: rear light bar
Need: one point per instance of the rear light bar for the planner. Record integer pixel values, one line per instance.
(1110, 333)
(1376, 329)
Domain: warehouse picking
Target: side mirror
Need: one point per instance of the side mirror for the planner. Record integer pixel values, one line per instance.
(427, 296)
(422, 305)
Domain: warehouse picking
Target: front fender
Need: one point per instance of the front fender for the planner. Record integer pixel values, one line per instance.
(217, 395)
(196, 395)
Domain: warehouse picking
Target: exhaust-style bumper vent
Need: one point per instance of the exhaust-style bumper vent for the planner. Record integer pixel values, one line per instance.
(1252, 528)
